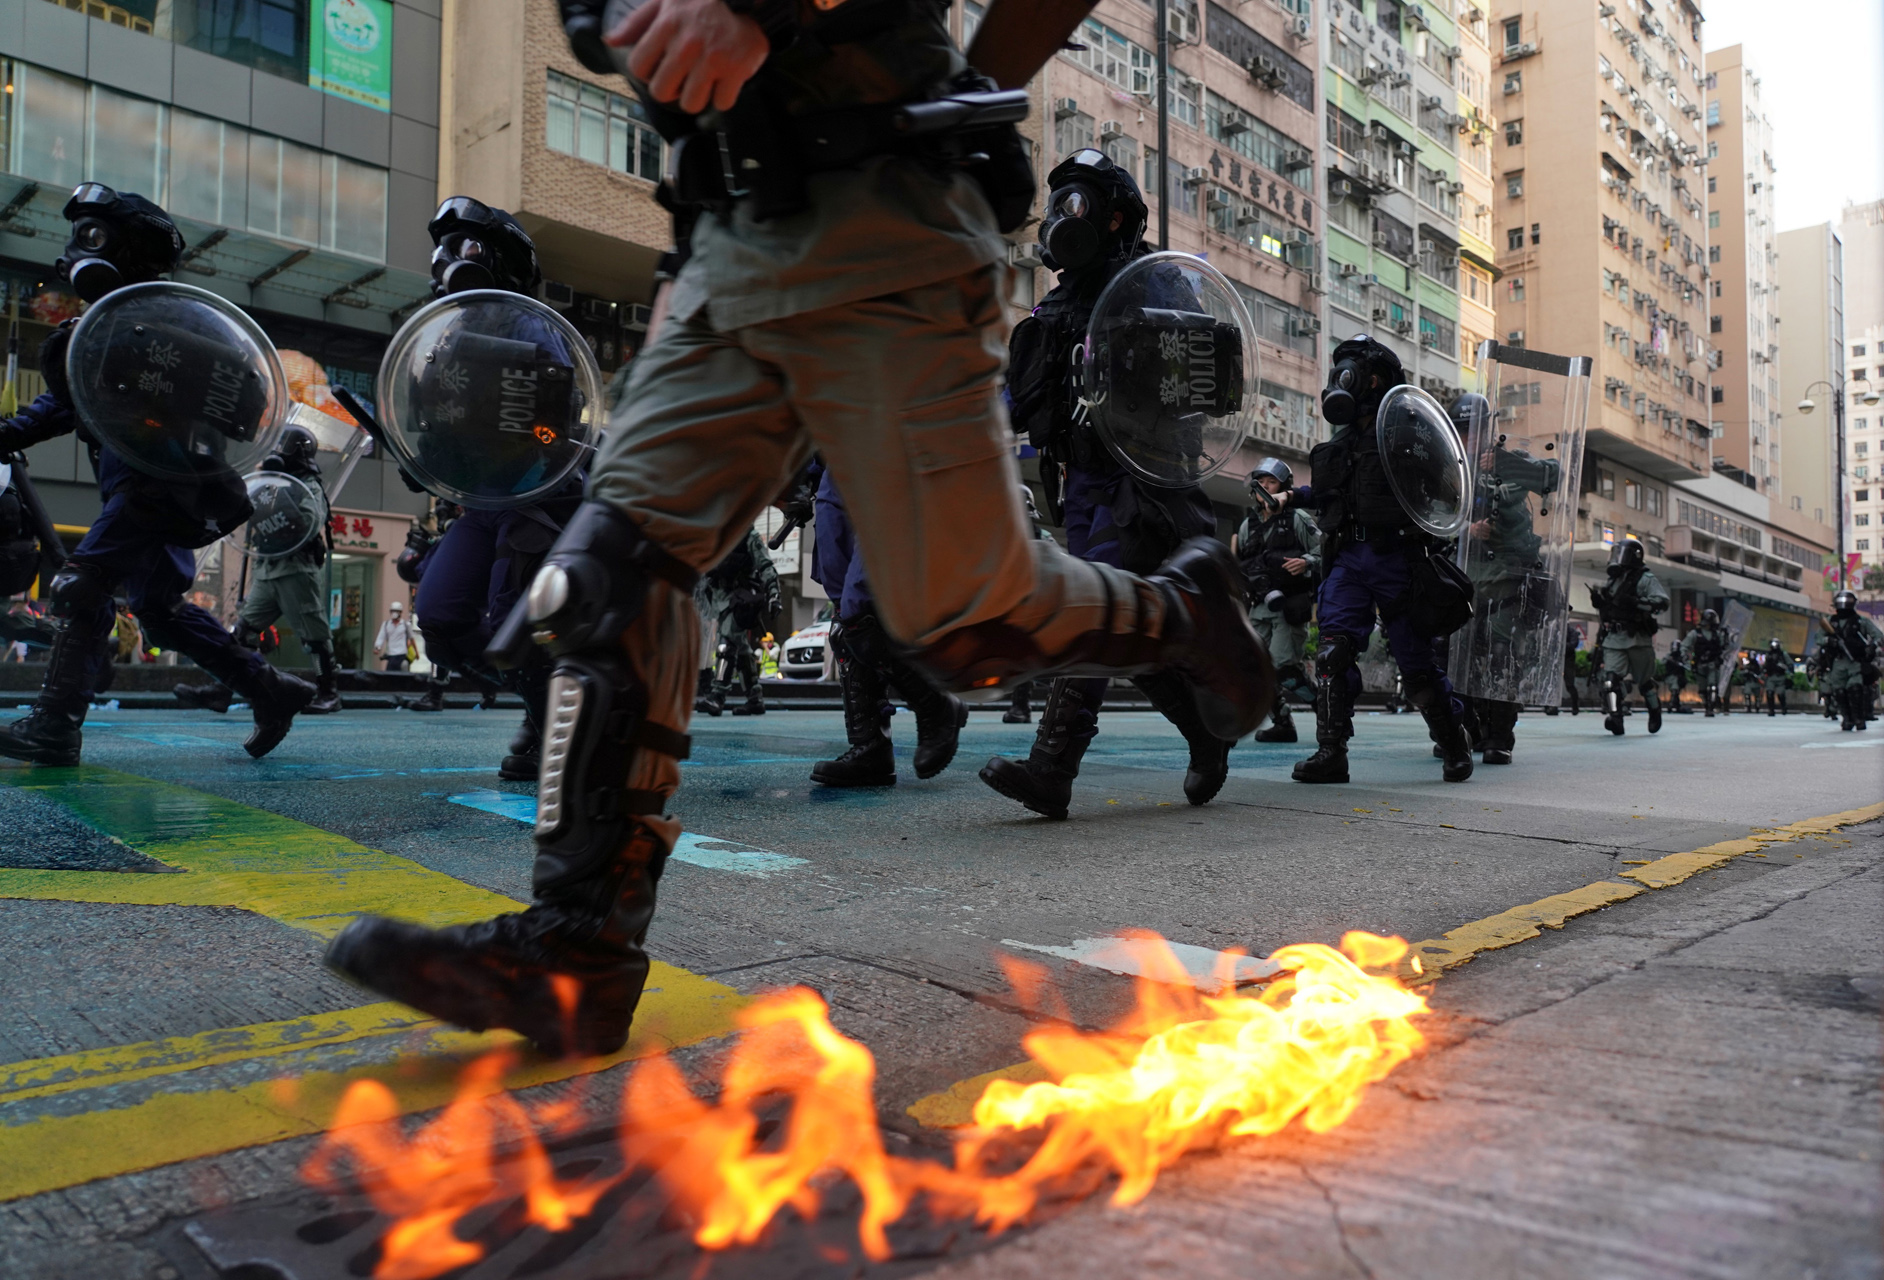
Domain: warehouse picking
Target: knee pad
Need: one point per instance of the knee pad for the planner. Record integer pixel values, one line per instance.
(1336, 655)
(590, 589)
(78, 589)
(1423, 689)
(249, 636)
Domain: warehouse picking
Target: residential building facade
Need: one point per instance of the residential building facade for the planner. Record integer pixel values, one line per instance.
(1862, 230)
(1811, 318)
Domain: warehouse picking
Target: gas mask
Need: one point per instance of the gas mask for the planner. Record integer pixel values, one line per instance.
(479, 247)
(1362, 372)
(117, 239)
(1088, 193)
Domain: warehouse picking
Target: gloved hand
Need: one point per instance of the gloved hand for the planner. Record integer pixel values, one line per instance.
(582, 25)
(52, 362)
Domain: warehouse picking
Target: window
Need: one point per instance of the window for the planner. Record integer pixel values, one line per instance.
(1514, 82)
(1632, 494)
(1255, 140)
(1713, 112)
(1860, 424)
(1071, 133)
(1713, 221)
(971, 21)
(1514, 185)
(1277, 321)
(1514, 239)
(1513, 31)
(1857, 349)
(1123, 151)
(1713, 150)
(1514, 132)
(64, 131)
(1111, 56)
(1605, 484)
(602, 128)
(1717, 292)
(1862, 495)
(1350, 135)
(1438, 332)
(1719, 395)
(1652, 500)
(1387, 14)
(1713, 324)
(1711, 187)
(1242, 44)
(1393, 236)
(1713, 250)
(1862, 519)
(1514, 290)
(1863, 544)
(1536, 236)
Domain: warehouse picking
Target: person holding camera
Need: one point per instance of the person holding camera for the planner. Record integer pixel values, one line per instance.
(1281, 553)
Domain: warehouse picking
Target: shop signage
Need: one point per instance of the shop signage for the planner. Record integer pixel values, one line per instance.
(350, 53)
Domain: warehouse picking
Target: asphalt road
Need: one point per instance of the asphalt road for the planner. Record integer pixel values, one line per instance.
(162, 912)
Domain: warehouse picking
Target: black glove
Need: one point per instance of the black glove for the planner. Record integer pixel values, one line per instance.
(52, 362)
(582, 25)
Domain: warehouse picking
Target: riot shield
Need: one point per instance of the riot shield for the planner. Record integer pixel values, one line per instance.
(1525, 441)
(289, 513)
(1735, 618)
(1169, 369)
(177, 381)
(490, 399)
(332, 435)
(1424, 458)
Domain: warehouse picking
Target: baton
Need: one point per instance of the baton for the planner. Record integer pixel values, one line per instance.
(36, 510)
(792, 525)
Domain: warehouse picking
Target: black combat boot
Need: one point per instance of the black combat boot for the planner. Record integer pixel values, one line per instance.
(326, 679)
(1281, 724)
(870, 761)
(1499, 720)
(1445, 724)
(1653, 698)
(51, 733)
(939, 716)
(713, 702)
(1209, 766)
(274, 699)
(1044, 780)
(1612, 704)
(754, 705)
(1018, 709)
(1334, 725)
(214, 696)
(433, 699)
(525, 757)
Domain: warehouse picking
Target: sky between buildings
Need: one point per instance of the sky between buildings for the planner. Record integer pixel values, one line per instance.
(1821, 66)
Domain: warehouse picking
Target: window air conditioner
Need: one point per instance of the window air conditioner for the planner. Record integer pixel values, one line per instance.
(1380, 240)
(1303, 28)
(1297, 159)
(1195, 175)
(1265, 72)
(1369, 280)
(1403, 327)
(1429, 340)
(1346, 270)
(1111, 129)
(1065, 108)
(1304, 326)
(1380, 315)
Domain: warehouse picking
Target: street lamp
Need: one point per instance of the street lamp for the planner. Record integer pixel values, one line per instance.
(1868, 397)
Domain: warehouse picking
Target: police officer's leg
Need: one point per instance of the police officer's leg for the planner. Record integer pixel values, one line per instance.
(1642, 670)
(1615, 687)
(452, 602)
(1274, 635)
(306, 612)
(900, 394)
(1346, 610)
(81, 608)
(260, 611)
(1429, 692)
(1019, 704)
(868, 760)
(1500, 723)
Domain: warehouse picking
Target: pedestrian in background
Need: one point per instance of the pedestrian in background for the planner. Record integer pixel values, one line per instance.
(394, 642)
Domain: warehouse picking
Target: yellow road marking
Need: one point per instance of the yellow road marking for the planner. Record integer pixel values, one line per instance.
(953, 1107)
(233, 855)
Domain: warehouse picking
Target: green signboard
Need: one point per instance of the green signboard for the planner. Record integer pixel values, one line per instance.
(350, 51)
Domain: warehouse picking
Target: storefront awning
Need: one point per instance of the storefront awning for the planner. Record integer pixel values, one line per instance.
(252, 271)
(1753, 591)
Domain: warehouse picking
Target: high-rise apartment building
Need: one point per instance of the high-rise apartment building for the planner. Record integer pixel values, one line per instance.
(1743, 401)
(1862, 230)
(1478, 254)
(1408, 160)
(1242, 118)
(296, 144)
(1602, 243)
(1811, 316)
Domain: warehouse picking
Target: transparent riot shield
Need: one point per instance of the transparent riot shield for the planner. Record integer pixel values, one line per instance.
(1424, 459)
(289, 513)
(332, 435)
(1169, 370)
(1525, 439)
(177, 381)
(1736, 617)
(490, 399)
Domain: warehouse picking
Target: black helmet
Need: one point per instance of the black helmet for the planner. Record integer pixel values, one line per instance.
(479, 247)
(1083, 192)
(294, 453)
(1361, 372)
(1468, 409)
(1845, 602)
(1773, 645)
(1626, 554)
(118, 238)
(1709, 618)
(1276, 469)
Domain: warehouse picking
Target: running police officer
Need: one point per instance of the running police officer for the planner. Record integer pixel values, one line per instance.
(1851, 651)
(144, 537)
(869, 667)
(1675, 672)
(290, 587)
(844, 295)
(1094, 228)
(1706, 648)
(1777, 669)
(476, 573)
(1281, 556)
(741, 597)
(1380, 559)
(1629, 604)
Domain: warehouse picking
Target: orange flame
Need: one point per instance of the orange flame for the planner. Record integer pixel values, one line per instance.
(1183, 1070)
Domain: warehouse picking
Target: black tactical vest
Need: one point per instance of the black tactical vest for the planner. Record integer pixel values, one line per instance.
(1351, 485)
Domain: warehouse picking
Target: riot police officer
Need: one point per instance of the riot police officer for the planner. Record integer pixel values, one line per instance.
(1378, 560)
(869, 667)
(27, 543)
(477, 571)
(1629, 605)
(844, 294)
(143, 538)
(1706, 648)
(1094, 227)
(1280, 552)
(1778, 669)
(741, 595)
(291, 587)
(1675, 670)
(1851, 651)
